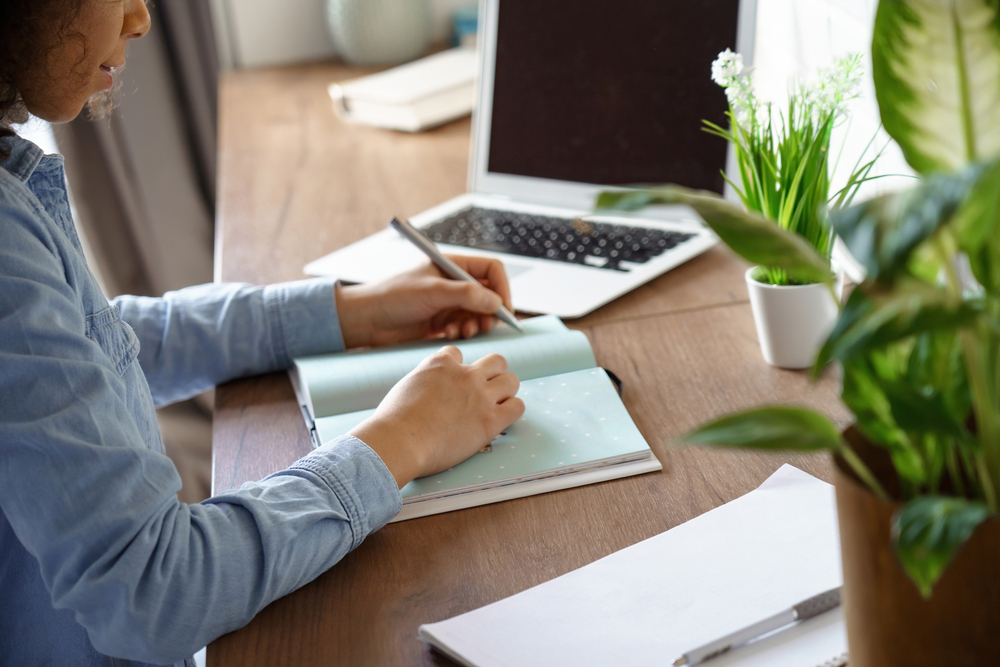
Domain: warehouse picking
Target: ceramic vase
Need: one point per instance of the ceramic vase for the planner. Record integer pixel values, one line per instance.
(793, 321)
(888, 623)
(379, 32)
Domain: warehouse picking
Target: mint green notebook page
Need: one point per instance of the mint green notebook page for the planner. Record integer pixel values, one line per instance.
(571, 421)
(357, 380)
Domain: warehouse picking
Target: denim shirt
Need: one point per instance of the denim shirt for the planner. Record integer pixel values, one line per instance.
(97, 556)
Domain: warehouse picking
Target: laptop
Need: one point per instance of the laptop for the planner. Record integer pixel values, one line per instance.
(576, 97)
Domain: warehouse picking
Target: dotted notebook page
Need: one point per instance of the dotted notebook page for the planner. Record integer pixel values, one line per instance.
(350, 381)
(570, 420)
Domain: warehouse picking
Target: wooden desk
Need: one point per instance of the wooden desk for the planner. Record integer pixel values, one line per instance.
(295, 184)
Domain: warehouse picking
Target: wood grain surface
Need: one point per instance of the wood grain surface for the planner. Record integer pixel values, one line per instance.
(295, 183)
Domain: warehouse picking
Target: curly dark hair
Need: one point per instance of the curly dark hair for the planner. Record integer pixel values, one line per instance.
(28, 30)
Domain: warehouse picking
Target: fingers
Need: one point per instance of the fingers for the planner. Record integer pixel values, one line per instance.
(492, 365)
(423, 304)
(470, 327)
(490, 270)
(509, 412)
(504, 386)
(472, 297)
(455, 326)
(450, 352)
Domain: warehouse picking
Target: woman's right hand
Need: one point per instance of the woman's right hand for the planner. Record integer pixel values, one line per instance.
(441, 414)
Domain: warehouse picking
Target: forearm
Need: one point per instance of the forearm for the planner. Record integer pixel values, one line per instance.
(167, 578)
(196, 338)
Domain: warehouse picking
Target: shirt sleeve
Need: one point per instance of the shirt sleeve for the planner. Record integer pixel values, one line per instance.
(149, 578)
(193, 339)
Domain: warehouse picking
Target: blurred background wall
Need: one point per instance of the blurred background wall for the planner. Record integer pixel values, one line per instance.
(253, 33)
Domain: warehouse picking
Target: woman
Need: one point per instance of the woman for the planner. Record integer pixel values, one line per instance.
(97, 556)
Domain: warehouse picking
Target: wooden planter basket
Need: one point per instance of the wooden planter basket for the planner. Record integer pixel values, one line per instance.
(888, 623)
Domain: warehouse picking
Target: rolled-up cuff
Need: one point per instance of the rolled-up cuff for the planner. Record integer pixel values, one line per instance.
(303, 315)
(360, 480)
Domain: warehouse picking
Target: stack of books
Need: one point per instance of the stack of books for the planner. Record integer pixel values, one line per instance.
(412, 97)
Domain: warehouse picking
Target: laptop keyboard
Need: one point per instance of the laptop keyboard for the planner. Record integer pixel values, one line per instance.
(598, 244)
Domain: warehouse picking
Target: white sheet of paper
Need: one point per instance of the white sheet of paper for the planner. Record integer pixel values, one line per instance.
(651, 602)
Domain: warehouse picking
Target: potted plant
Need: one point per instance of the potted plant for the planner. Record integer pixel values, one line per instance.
(784, 177)
(918, 475)
(784, 185)
(784, 167)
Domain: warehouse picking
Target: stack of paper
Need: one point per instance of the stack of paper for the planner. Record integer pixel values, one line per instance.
(649, 603)
(411, 97)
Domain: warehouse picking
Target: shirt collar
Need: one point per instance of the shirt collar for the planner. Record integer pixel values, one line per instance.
(24, 157)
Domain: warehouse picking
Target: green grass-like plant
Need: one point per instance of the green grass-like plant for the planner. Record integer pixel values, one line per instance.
(783, 159)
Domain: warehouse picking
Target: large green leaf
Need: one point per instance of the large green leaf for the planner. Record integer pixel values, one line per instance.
(751, 236)
(977, 228)
(922, 409)
(936, 65)
(882, 233)
(873, 318)
(930, 425)
(978, 219)
(929, 531)
(935, 365)
(778, 427)
(864, 394)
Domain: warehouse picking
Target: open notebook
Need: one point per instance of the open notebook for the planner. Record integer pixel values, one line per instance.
(649, 603)
(575, 429)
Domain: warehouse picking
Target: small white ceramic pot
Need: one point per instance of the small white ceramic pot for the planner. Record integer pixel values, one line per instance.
(792, 321)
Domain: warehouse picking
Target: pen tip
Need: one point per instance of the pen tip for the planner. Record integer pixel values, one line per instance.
(681, 661)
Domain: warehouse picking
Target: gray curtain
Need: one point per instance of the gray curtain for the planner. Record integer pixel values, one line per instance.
(143, 185)
(190, 42)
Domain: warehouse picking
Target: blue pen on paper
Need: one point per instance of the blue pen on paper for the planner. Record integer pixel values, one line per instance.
(425, 245)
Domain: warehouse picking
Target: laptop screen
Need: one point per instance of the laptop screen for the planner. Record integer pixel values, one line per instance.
(610, 93)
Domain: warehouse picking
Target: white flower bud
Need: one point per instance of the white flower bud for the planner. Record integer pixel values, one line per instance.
(727, 68)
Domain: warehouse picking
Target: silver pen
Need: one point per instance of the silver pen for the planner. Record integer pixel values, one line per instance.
(814, 606)
(410, 233)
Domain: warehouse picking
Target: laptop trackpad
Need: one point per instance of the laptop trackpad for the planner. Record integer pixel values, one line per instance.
(514, 270)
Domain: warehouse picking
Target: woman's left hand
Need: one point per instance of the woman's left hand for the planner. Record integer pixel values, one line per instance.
(423, 303)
